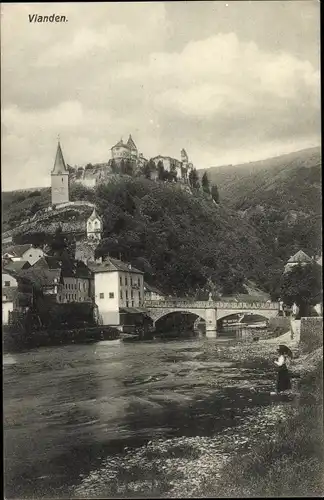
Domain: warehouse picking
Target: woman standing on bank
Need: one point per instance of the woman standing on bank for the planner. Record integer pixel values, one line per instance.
(283, 363)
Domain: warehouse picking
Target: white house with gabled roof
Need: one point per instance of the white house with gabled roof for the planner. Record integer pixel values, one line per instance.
(118, 290)
(299, 258)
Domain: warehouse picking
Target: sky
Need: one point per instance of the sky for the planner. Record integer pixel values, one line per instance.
(230, 82)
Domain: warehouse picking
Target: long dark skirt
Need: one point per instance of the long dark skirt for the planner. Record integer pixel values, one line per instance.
(283, 380)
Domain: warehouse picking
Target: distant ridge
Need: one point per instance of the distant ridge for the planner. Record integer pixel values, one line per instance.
(288, 182)
(273, 159)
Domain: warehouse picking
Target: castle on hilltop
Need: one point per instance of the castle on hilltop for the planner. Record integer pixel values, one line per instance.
(125, 159)
(127, 152)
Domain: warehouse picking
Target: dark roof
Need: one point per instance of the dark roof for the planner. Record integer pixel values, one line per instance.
(9, 293)
(41, 277)
(59, 165)
(48, 262)
(111, 265)
(68, 267)
(120, 144)
(15, 266)
(131, 143)
(17, 250)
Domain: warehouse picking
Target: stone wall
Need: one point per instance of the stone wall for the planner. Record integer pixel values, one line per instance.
(311, 333)
(280, 322)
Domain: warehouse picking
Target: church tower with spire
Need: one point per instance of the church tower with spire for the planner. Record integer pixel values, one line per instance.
(60, 179)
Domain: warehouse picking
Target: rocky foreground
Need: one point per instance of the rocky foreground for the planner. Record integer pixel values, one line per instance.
(191, 466)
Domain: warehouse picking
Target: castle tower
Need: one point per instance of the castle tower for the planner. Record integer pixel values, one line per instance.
(60, 179)
(184, 157)
(94, 227)
(120, 151)
(132, 147)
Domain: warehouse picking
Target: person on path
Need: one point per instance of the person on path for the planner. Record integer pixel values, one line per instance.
(283, 363)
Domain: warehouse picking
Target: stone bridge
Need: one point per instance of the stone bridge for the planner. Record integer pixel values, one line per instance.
(209, 311)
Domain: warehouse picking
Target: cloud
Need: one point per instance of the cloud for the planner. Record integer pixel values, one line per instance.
(110, 71)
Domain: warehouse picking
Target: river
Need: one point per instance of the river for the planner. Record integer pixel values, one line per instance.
(112, 418)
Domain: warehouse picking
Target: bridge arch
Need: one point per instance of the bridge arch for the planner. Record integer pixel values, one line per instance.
(156, 315)
(265, 313)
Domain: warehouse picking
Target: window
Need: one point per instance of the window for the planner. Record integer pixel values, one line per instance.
(7, 283)
(126, 280)
(75, 296)
(139, 282)
(131, 281)
(121, 294)
(126, 303)
(111, 295)
(101, 295)
(121, 280)
(126, 294)
(139, 295)
(132, 295)
(132, 303)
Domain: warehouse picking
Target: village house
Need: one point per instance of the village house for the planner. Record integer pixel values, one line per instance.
(119, 290)
(67, 280)
(299, 258)
(152, 293)
(8, 300)
(10, 286)
(94, 226)
(9, 268)
(23, 253)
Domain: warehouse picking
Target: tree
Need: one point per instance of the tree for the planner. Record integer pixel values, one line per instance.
(148, 169)
(205, 183)
(114, 166)
(58, 245)
(302, 285)
(215, 193)
(161, 171)
(194, 179)
(122, 167)
(128, 167)
(35, 208)
(173, 173)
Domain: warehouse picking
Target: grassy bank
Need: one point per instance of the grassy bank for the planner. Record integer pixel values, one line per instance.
(291, 462)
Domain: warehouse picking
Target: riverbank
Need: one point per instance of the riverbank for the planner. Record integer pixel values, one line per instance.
(18, 341)
(233, 460)
(290, 462)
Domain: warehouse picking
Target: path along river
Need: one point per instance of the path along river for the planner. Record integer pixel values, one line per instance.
(116, 419)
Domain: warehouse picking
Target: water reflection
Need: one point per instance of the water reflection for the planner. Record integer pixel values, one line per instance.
(66, 408)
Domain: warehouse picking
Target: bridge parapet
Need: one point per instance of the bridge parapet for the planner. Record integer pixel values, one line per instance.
(180, 304)
(206, 304)
(247, 305)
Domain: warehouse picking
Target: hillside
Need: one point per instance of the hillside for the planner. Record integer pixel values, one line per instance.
(181, 241)
(23, 207)
(292, 180)
(280, 197)
(268, 211)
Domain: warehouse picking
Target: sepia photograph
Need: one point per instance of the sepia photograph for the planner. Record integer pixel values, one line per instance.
(162, 292)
